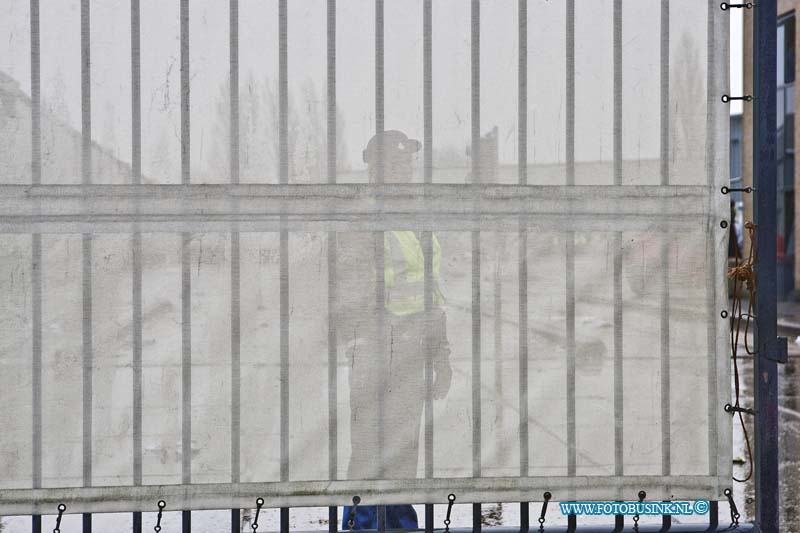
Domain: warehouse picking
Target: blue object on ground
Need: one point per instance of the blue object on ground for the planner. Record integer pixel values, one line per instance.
(366, 517)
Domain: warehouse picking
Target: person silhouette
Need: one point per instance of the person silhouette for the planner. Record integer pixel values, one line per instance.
(397, 360)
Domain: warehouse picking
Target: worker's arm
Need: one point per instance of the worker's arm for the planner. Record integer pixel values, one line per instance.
(437, 335)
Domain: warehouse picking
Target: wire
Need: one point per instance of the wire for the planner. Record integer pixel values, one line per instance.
(743, 277)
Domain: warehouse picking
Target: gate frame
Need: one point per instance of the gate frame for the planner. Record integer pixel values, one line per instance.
(770, 349)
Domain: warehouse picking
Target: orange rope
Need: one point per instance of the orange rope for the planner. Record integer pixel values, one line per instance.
(744, 277)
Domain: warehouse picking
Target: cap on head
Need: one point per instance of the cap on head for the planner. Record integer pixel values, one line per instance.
(394, 142)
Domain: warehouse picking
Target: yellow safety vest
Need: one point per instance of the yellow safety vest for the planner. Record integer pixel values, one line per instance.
(404, 272)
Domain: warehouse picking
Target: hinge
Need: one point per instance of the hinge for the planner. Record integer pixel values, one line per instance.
(781, 351)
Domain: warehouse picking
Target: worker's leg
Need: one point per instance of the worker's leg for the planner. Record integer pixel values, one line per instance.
(366, 517)
(364, 384)
(405, 402)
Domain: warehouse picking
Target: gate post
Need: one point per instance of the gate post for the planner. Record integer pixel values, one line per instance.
(765, 371)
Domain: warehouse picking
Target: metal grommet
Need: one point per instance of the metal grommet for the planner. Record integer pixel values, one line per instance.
(157, 529)
(161, 504)
(260, 501)
(725, 190)
(728, 407)
(723, 314)
(727, 492)
(62, 507)
(724, 6)
(642, 495)
(725, 98)
(723, 224)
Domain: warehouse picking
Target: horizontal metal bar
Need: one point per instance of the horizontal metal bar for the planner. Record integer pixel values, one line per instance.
(327, 493)
(353, 223)
(354, 207)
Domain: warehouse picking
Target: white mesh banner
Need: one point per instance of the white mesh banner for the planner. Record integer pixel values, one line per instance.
(305, 250)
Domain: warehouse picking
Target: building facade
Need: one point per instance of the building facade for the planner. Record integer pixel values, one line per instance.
(787, 173)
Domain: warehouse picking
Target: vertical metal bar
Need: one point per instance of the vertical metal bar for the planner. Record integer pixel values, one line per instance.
(427, 236)
(284, 348)
(333, 520)
(570, 240)
(572, 523)
(185, 118)
(36, 265)
(713, 516)
(236, 331)
(381, 518)
(524, 517)
(333, 380)
(712, 101)
(379, 81)
(570, 90)
(765, 371)
(86, 240)
(522, 92)
(666, 424)
(283, 93)
(379, 244)
(522, 252)
(475, 101)
(236, 521)
(233, 48)
(523, 367)
(664, 93)
(36, 102)
(284, 520)
(619, 520)
(136, 252)
(186, 371)
(186, 279)
(427, 88)
(136, 94)
(429, 525)
(331, 82)
(283, 175)
(618, 335)
(570, 327)
(618, 359)
(617, 92)
(36, 437)
(618, 366)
